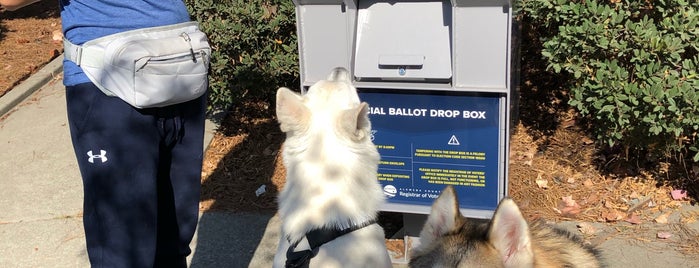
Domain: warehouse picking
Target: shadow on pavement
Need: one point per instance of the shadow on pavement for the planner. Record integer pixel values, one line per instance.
(227, 239)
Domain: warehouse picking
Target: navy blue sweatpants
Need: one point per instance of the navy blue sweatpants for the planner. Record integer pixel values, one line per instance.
(141, 171)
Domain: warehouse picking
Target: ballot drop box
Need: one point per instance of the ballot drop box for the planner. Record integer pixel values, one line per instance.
(437, 77)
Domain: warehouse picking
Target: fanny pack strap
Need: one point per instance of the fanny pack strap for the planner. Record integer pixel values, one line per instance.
(90, 56)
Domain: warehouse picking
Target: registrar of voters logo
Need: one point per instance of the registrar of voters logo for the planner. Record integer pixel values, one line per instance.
(390, 190)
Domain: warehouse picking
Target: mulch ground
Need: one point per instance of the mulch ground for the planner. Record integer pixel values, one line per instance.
(29, 38)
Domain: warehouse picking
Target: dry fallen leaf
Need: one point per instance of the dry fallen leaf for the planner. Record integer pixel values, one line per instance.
(54, 53)
(568, 207)
(652, 204)
(541, 182)
(633, 219)
(57, 36)
(568, 201)
(664, 235)
(608, 204)
(613, 215)
(662, 218)
(588, 183)
(678, 194)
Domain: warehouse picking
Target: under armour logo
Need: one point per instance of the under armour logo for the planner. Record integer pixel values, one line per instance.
(102, 156)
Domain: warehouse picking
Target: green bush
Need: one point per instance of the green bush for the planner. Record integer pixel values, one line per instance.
(254, 48)
(633, 64)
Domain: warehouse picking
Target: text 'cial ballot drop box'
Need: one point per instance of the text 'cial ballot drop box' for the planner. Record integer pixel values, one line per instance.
(437, 77)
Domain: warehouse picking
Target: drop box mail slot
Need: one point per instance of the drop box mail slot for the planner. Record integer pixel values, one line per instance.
(403, 34)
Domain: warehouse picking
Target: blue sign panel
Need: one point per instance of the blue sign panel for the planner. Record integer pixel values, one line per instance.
(428, 141)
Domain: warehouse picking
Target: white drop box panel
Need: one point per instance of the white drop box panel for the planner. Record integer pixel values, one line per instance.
(407, 40)
(325, 33)
(481, 44)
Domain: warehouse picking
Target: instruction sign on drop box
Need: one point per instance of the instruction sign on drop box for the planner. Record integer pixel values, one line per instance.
(428, 141)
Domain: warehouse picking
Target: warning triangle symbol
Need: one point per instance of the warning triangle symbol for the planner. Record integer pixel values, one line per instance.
(453, 140)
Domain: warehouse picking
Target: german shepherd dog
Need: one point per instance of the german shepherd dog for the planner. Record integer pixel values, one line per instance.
(448, 239)
(329, 204)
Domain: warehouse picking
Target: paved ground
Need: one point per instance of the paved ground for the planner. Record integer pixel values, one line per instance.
(41, 195)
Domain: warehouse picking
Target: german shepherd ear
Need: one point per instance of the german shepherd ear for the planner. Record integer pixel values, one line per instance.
(355, 121)
(292, 114)
(442, 219)
(509, 234)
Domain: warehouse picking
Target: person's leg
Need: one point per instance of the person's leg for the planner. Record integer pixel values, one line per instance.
(179, 181)
(117, 151)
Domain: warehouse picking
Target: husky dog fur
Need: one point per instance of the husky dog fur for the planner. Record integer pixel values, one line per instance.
(448, 239)
(331, 182)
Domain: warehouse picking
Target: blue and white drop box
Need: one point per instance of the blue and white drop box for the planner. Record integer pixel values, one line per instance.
(438, 80)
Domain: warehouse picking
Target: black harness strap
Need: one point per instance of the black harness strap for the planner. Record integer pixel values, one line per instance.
(317, 238)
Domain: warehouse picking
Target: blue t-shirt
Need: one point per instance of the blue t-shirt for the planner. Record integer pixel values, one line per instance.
(84, 20)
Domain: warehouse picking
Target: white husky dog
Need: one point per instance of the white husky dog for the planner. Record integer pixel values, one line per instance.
(328, 207)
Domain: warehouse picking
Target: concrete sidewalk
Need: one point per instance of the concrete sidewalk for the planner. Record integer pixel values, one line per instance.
(41, 200)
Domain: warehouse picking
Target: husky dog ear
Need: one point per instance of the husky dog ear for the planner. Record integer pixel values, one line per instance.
(355, 121)
(509, 234)
(442, 219)
(292, 114)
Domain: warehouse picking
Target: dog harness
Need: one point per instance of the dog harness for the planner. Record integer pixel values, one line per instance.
(316, 238)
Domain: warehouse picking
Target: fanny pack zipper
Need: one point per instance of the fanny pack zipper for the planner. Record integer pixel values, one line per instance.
(186, 38)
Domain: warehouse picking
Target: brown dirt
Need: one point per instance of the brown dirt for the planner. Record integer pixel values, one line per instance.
(243, 155)
(549, 144)
(26, 41)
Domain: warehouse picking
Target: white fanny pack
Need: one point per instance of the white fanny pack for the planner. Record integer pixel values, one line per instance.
(151, 67)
